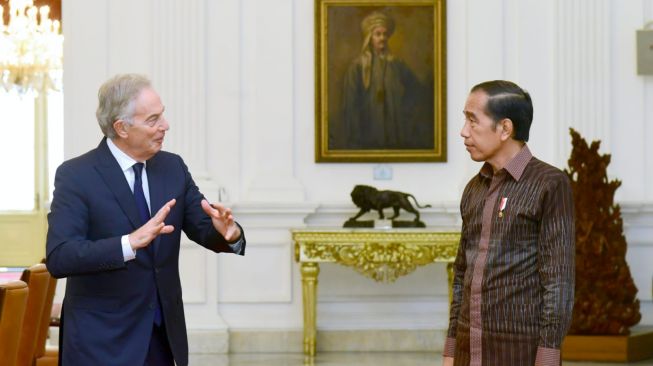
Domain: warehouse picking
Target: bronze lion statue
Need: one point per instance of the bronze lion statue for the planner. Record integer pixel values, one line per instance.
(369, 198)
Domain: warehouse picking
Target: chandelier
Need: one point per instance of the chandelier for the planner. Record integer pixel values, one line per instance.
(30, 50)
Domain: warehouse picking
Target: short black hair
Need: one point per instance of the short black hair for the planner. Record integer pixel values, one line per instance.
(508, 100)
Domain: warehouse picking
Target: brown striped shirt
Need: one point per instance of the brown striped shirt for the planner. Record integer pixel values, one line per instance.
(513, 289)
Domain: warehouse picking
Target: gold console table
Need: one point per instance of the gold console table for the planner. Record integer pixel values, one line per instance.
(382, 254)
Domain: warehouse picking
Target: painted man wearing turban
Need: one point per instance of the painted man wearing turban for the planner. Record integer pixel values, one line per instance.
(382, 95)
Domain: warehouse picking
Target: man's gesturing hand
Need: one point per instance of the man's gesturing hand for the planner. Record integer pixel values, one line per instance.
(222, 219)
(155, 226)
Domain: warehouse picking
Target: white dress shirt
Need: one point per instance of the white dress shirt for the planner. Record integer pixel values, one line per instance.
(126, 163)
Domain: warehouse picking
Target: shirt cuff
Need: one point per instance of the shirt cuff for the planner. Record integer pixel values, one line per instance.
(547, 357)
(127, 252)
(237, 247)
(449, 347)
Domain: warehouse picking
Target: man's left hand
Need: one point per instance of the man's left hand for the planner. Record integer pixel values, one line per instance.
(223, 220)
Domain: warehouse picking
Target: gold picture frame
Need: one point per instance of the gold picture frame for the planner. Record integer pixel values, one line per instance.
(380, 77)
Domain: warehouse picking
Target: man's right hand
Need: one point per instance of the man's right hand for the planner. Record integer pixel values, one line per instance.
(447, 361)
(155, 226)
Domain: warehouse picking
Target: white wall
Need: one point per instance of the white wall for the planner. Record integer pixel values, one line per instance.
(237, 78)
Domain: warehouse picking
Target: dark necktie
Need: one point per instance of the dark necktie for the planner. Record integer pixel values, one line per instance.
(144, 213)
(139, 195)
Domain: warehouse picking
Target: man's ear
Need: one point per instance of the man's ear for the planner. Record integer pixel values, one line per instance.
(120, 127)
(507, 129)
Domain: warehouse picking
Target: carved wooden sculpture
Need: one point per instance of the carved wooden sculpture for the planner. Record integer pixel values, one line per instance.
(605, 301)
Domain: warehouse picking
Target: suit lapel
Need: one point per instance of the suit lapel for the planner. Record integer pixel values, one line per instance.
(113, 176)
(156, 183)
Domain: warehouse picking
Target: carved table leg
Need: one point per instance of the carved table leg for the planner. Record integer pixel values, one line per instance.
(309, 292)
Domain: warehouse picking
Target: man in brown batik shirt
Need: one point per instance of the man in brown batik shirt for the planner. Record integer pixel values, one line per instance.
(513, 289)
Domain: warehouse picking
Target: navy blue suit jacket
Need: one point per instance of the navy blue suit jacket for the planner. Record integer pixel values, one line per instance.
(108, 308)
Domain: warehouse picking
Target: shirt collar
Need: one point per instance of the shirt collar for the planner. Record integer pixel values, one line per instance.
(125, 161)
(515, 166)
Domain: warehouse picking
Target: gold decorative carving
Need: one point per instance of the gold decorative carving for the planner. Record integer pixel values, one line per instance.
(381, 261)
(383, 255)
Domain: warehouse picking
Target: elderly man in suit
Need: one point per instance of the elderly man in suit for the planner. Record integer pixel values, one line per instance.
(114, 231)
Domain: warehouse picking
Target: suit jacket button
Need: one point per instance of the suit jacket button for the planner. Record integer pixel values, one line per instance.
(151, 305)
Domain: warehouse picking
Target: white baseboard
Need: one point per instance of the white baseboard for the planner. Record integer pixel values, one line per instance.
(289, 341)
(217, 342)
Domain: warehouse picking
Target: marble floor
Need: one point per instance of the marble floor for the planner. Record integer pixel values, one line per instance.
(348, 359)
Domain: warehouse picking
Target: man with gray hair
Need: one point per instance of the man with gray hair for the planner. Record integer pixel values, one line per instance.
(114, 233)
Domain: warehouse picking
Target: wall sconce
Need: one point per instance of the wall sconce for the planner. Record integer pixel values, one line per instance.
(645, 50)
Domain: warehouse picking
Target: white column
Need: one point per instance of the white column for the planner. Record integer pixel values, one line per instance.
(511, 40)
(528, 51)
(268, 112)
(129, 48)
(484, 60)
(86, 28)
(224, 96)
(582, 74)
(179, 74)
(179, 66)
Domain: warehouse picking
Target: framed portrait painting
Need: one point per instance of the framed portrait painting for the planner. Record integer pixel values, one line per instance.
(380, 81)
